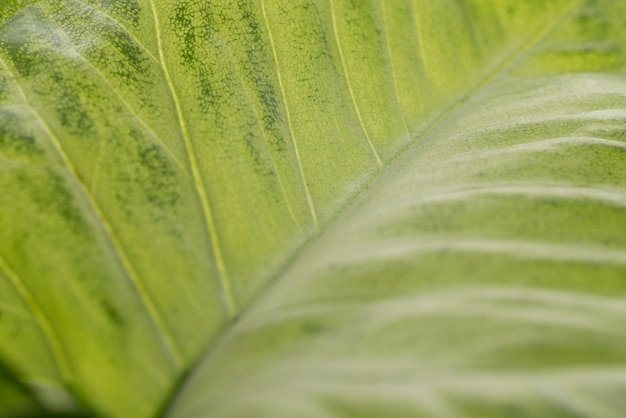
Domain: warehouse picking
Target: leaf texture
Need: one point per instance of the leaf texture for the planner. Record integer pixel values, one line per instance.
(342, 208)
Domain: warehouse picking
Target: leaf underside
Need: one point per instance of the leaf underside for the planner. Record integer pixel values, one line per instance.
(329, 208)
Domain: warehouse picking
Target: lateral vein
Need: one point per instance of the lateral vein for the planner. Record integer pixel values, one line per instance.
(128, 107)
(347, 77)
(417, 24)
(198, 182)
(393, 69)
(44, 324)
(108, 229)
(291, 131)
(267, 142)
(121, 26)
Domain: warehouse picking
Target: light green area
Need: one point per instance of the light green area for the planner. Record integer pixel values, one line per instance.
(331, 208)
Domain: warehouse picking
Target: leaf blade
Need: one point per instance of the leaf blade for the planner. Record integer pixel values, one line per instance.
(231, 67)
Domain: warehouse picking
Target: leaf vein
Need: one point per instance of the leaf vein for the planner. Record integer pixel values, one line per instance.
(394, 77)
(108, 229)
(349, 83)
(267, 143)
(128, 107)
(121, 26)
(291, 131)
(417, 26)
(45, 326)
(198, 182)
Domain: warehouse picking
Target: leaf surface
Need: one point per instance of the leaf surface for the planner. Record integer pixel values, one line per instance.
(341, 208)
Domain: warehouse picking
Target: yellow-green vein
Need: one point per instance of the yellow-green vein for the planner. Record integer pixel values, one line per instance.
(50, 335)
(347, 77)
(392, 67)
(291, 131)
(197, 176)
(136, 281)
(267, 142)
(128, 107)
(121, 26)
(417, 25)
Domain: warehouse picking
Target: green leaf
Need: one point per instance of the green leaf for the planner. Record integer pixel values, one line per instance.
(323, 208)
